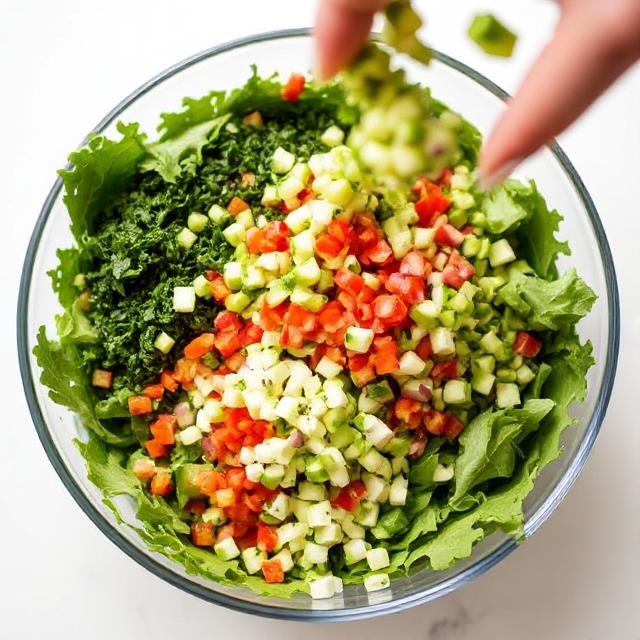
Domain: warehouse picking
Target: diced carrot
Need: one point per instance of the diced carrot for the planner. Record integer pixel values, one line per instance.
(237, 205)
(139, 405)
(167, 381)
(202, 534)
(199, 346)
(272, 571)
(155, 449)
(163, 429)
(154, 391)
(161, 484)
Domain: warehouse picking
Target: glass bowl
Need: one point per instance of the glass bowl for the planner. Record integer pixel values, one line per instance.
(480, 101)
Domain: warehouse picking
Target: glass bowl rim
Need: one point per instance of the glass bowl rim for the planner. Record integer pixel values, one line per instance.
(450, 584)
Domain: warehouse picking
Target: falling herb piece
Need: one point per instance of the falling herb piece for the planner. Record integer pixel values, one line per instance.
(492, 36)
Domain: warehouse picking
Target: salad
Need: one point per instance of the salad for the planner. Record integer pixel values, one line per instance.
(303, 341)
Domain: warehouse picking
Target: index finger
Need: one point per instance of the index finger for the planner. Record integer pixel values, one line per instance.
(342, 27)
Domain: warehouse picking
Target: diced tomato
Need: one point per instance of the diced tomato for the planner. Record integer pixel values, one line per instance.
(447, 370)
(305, 195)
(272, 318)
(363, 376)
(291, 337)
(379, 253)
(447, 234)
(202, 534)
(197, 507)
(237, 205)
(405, 408)
(348, 281)
(358, 361)
(163, 429)
(139, 405)
(445, 177)
(424, 349)
(274, 237)
(155, 449)
(272, 571)
(453, 427)
(153, 391)
(452, 278)
(267, 537)
(461, 264)
(292, 90)
(386, 355)
(251, 334)
(327, 247)
(349, 497)
(199, 346)
(236, 478)
(298, 316)
(101, 378)
(227, 320)
(218, 288)
(409, 289)
(249, 539)
(341, 231)
(431, 205)
(144, 469)
(526, 345)
(331, 316)
(167, 381)
(161, 484)
(434, 422)
(413, 264)
(227, 342)
(390, 310)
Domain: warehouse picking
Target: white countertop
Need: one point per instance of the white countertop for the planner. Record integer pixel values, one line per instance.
(63, 65)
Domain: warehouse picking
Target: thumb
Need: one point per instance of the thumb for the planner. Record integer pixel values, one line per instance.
(591, 48)
(342, 28)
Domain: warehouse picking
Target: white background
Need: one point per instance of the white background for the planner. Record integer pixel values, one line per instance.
(63, 65)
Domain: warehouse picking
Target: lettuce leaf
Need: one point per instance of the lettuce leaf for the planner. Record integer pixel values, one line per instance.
(99, 171)
(489, 446)
(503, 208)
(68, 386)
(536, 235)
(556, 304)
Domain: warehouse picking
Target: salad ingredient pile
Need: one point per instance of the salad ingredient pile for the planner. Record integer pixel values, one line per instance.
(304, 342)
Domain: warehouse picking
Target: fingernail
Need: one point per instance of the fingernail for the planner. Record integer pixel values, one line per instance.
(498, 176)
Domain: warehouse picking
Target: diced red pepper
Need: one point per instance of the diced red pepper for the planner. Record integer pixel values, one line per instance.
(526, 345)
(292, 90)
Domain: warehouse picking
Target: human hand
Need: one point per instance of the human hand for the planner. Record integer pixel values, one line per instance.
(594, 43)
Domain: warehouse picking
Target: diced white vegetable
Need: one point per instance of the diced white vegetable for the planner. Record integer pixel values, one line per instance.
(287, 409)
(247, 456)
(184, 299)
(322, 588)
(328, 535)
(398, 491)
(319, 514)
(376, 582)
(358, 339)
(202, 421)
(254, 471)
(455, 392)
(507, 394)
(164, 343)
(253, 559)
(354, 551)
(315, 553)
(335, 396)
(377, 558)
(291, 531)
(442, 341)
(282, 160)
(410, 364)
(227, 549)
(190, 435)
(328, 368)
(285, 559)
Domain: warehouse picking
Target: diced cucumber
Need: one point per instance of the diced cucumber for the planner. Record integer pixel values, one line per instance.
(328, 368)
(254, 471)
(307, 273)
(377, 558)
(423, 237)
(501, 253)
(201, 287)
(425, 314)
(233, 275)
(524, 375)
(398, 491)
(308, 299)
(253, 559)
(291, 531)
(335, 396)
(312, 492)
(443, 473)
(358, 339)
(399, 465)
(504, 374)
(186, 238)
(214, 515)
(285, 559)
(315, 553)
(326, 280)
(367, 405)
(333, 136)
(218, 214)
(377, 488)
(197, 222)
(442, 341)
(299, 219)
(482, 382)
(367, 514)
(273, 474)
(371, 281)
(328, 535)
(280, 507)
(354, 551)
(323, 587)
(375, 430)
(343, 436)
(471, 246)
(236, 302)
(376, 582)
(245, 218)
(455, 392)
(303, 246)
(164, 342)
(372, 460)
(227, 549)
(351, 529)
(254, 278)
(184, 299)
(410, 364)
(338, 192)
(507, 394)
(282, 161)
(315, 471)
